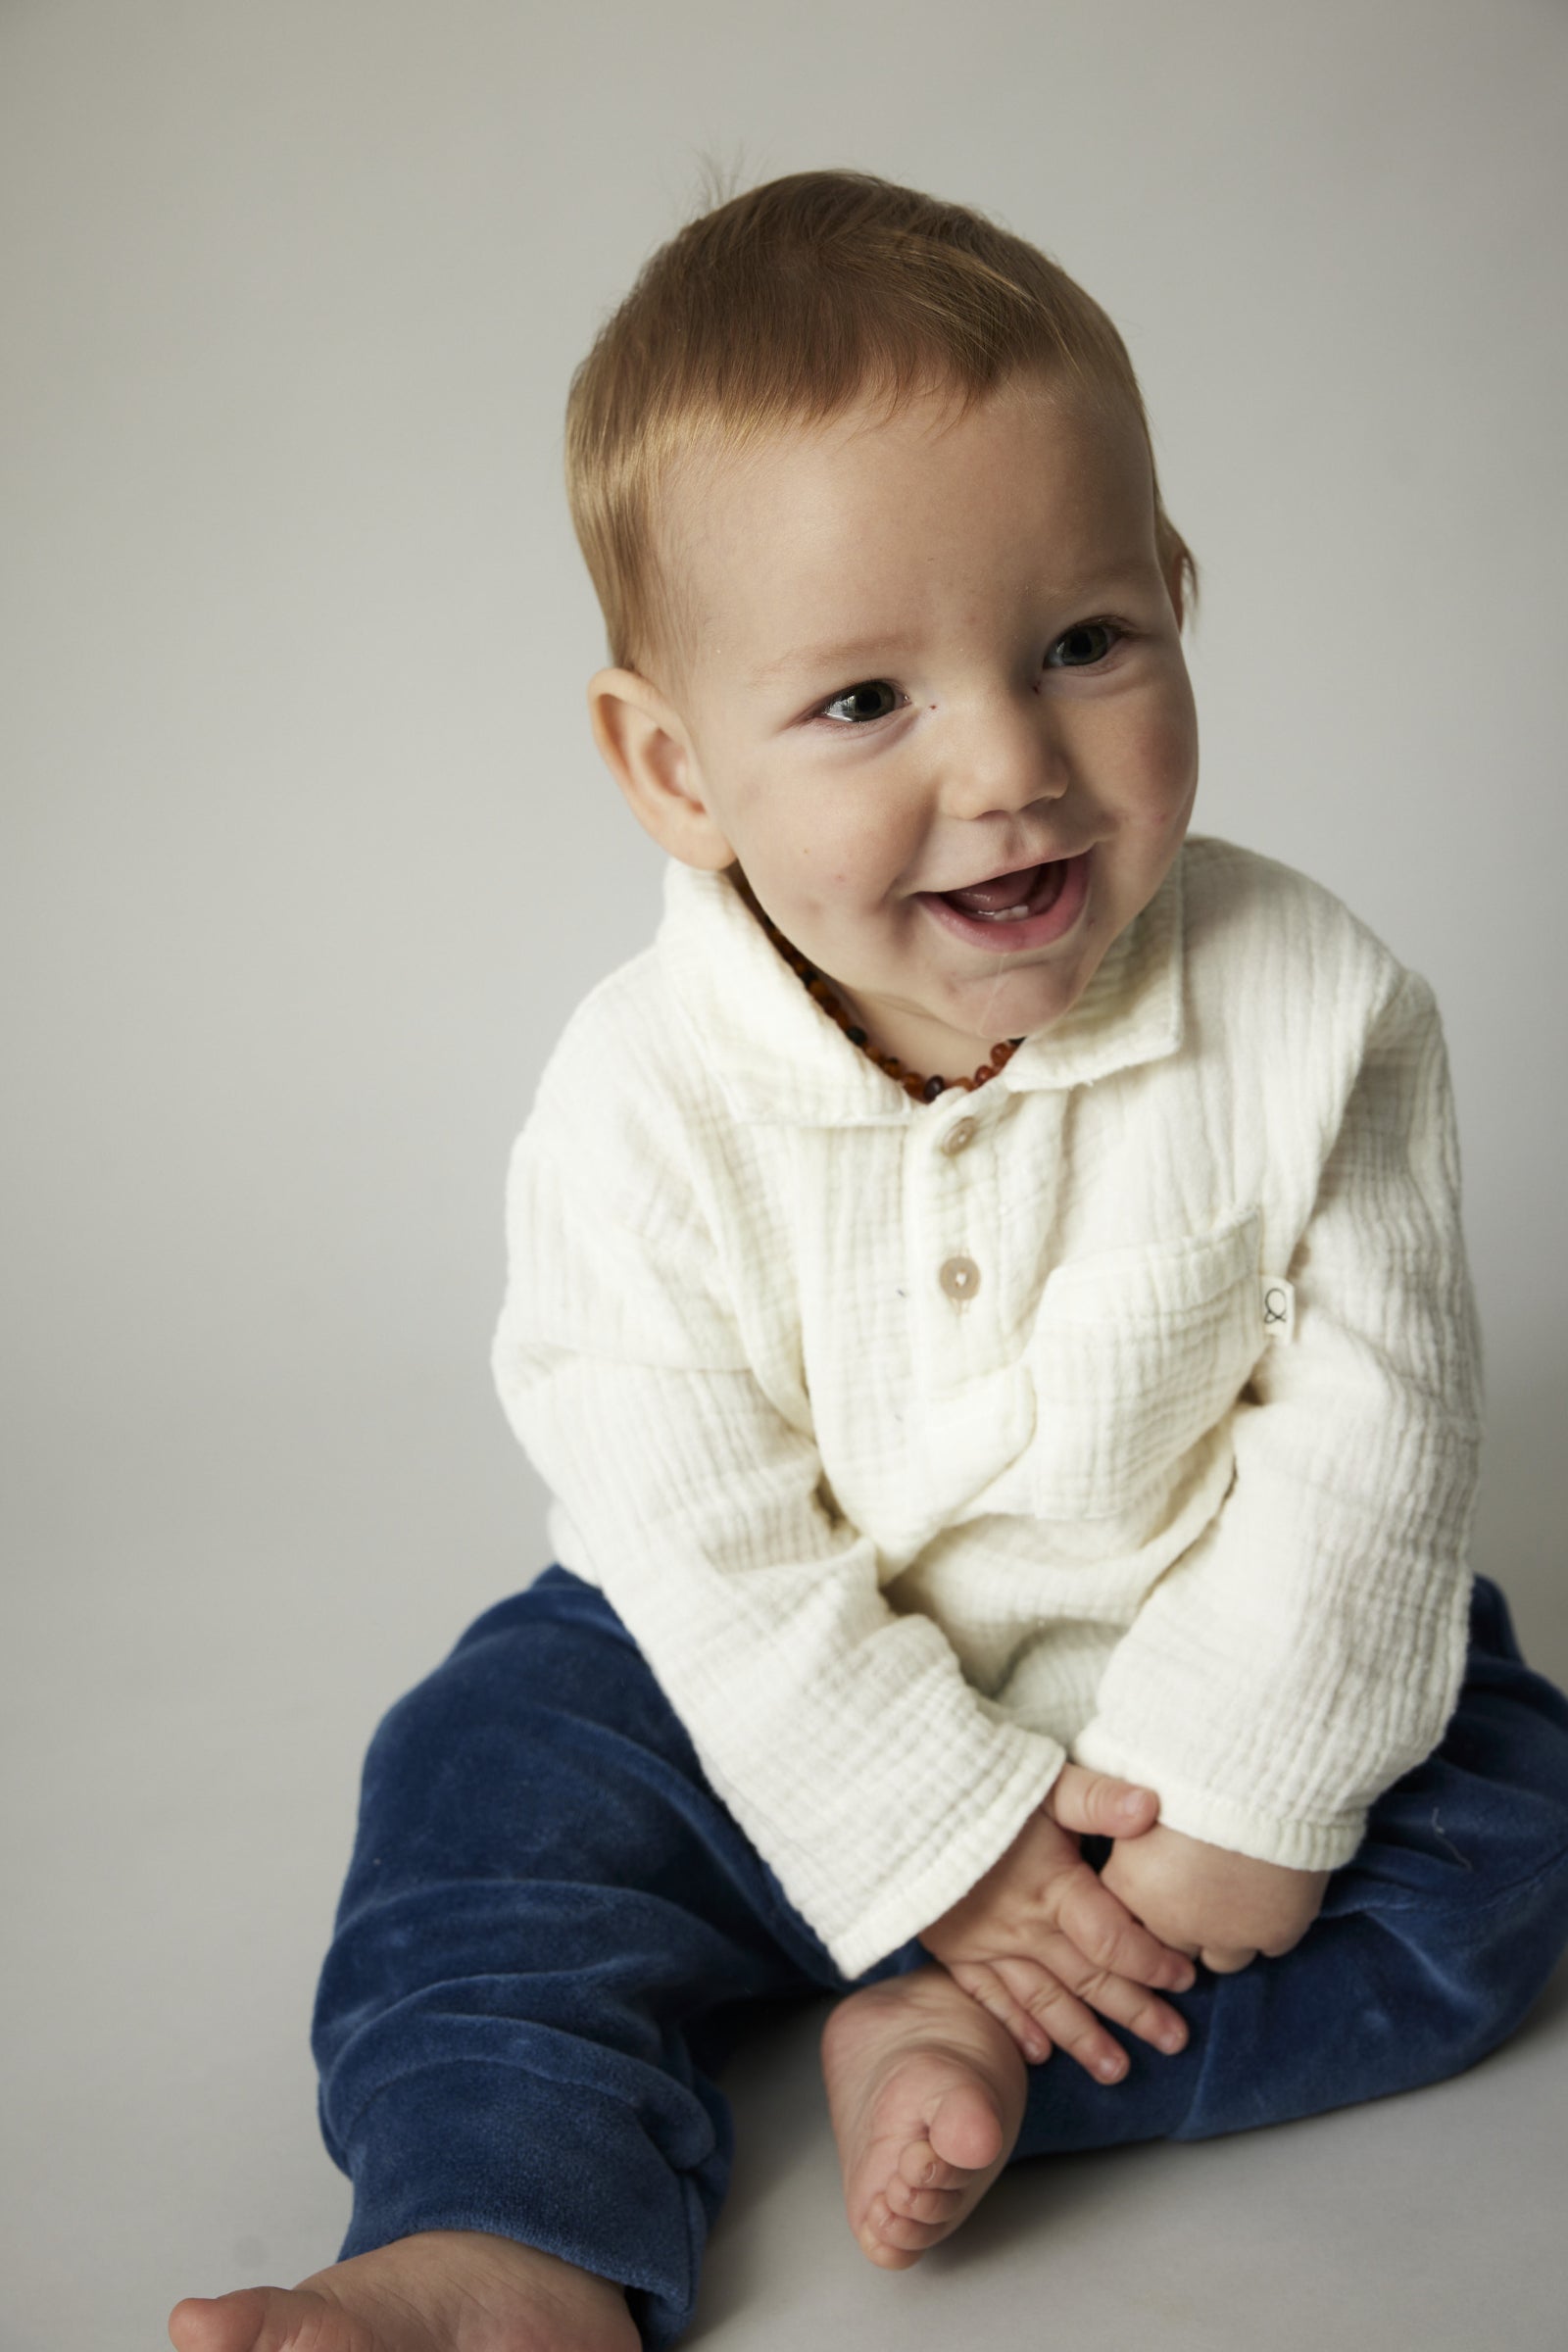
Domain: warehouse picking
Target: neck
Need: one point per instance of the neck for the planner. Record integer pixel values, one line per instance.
(922, 1086)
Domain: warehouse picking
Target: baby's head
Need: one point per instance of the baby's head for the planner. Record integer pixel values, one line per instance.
(893, 606)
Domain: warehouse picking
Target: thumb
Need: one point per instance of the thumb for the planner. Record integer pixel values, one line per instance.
(1093, 1803)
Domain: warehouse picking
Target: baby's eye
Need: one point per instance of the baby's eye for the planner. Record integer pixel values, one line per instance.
(867, 686)
(1082, 646)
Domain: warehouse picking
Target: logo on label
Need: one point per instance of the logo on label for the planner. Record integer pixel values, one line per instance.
(1279, 1307)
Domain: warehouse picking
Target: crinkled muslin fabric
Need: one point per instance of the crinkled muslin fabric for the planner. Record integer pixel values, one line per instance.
(1127, 1408)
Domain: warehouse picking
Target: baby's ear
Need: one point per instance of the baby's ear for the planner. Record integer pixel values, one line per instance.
(1179, 570)
(647, 750)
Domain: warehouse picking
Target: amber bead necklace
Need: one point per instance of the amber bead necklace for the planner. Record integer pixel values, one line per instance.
(922, 1089)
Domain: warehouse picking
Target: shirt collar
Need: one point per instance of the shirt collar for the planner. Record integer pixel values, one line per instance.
(781, 1059)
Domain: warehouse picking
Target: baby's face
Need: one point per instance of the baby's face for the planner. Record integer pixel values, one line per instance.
(930, 653)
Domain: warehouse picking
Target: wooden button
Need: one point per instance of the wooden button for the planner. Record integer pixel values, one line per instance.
(959, 1136)
(959, 1278)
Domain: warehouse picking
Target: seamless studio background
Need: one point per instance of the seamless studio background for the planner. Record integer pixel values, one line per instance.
(308, 855)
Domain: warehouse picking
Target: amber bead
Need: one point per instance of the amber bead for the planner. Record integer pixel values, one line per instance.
(918, 1086)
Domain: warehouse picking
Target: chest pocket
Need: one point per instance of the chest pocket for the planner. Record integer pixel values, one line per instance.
(1134, 1355)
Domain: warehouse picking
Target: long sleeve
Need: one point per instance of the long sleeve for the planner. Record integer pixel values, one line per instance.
(1308, 1648)
(871, 1777)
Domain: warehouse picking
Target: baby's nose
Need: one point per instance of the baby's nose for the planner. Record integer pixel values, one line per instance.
(1008, 756)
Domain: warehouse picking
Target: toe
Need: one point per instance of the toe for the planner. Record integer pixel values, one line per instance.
(188, 2328)
(875, 2247)
(893, 2230)
(965, 2129)
(921, 2204)
(922, 2168)
(911, 2238)
(254, 2318)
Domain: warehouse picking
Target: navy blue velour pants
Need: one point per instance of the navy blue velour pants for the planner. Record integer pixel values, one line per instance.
(552, 1930)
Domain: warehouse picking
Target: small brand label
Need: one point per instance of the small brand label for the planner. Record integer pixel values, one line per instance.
(1279, 1307)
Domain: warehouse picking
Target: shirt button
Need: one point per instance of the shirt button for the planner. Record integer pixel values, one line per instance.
(958, 1136)
(959, 1278)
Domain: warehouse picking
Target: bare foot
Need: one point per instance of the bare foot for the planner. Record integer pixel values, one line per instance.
(926, 2092)
(443, 2291)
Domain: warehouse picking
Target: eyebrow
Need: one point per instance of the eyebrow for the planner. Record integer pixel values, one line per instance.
(833, 655)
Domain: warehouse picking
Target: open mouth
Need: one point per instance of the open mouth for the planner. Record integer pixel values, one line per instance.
(1010, 912)
(1011, 898)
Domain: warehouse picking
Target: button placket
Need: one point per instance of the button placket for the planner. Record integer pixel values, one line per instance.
(952, 1222)
(971, 1405)
(958, 1273)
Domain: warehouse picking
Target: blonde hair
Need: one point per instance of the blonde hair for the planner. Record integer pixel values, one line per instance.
(782, 307)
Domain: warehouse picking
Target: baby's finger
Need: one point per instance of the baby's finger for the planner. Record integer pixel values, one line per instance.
(1116, 1997)
(1070, 2023)
(983, 1984)
(1226, 1959)
(1094, 1804)
(1106, 1934)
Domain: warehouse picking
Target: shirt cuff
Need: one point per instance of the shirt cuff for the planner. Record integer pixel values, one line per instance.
(1220, 1820)
(924, 1891)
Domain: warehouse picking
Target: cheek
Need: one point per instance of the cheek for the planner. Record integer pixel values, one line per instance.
(1164, 762)
(852, 848)
(815, 863)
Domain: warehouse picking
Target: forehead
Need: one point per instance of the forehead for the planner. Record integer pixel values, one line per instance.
(872, 519)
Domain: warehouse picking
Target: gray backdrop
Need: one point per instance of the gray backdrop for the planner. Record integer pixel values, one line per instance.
(308, 855)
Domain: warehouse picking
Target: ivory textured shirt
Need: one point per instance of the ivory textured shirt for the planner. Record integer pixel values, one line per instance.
(1126, 1408)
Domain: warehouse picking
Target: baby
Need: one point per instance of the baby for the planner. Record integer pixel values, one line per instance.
(988, 1302)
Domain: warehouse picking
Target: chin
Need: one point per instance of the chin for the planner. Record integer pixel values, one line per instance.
(1038, 996)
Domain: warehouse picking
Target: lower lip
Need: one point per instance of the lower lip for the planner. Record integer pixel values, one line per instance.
(1023, 931)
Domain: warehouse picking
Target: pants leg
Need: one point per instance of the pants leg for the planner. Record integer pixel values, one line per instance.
(550, 1927)
(547, 1921)
(1433, 1942)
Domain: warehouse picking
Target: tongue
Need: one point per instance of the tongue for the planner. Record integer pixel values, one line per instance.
(989, 898)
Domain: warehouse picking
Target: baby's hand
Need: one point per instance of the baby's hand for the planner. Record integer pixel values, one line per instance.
(1041, 1943)
(1222, 1907)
